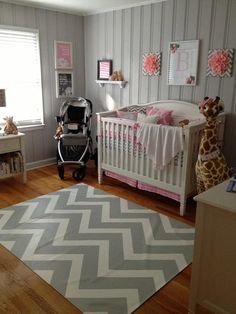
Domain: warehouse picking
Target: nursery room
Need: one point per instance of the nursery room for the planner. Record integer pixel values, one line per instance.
(117, 156)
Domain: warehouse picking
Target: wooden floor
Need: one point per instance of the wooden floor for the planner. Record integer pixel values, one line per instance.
(22, 291)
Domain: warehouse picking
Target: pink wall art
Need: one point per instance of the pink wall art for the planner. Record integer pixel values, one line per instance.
(220, 62)
(152, 63)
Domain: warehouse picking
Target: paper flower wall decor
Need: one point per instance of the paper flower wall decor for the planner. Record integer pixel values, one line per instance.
(152, 63)
(220, 62)
(173, 47)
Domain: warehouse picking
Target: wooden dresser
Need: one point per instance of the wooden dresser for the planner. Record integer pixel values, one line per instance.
(213, 283)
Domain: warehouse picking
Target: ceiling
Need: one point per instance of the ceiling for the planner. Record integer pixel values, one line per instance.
(82, 7)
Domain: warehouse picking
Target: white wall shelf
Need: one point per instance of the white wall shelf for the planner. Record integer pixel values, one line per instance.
(103, 82)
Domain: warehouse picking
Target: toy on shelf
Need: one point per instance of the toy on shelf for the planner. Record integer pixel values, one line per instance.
(10, 127)
(116, 76)
(211, 168)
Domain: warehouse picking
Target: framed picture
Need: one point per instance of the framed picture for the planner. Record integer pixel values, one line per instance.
(2, 98)
(152, 63)
(220, 62)
(63, 55)
(104, 69)
(64, 84)
(182, 63)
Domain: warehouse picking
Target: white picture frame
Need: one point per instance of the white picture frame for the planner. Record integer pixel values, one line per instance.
(183, 62)
(64, 84)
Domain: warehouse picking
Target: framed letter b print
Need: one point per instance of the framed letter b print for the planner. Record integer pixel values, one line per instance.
(183, 59)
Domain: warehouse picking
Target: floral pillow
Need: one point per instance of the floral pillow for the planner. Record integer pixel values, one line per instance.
(163, 116)
(146, 119)
(127, 115)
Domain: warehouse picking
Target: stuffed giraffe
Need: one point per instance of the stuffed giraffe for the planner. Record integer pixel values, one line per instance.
(211, 168)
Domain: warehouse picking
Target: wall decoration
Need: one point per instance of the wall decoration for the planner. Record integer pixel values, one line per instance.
(63, 55)
(182, 65)
(64, 83)
(2, 98)
(220, 62)
(104, 69)
(152, 63)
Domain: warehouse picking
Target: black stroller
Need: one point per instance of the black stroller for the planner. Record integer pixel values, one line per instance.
(73, 135)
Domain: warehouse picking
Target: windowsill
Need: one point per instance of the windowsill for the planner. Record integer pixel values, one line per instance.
(25, 128)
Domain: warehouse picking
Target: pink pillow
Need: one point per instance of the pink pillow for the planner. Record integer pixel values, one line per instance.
(127, 115)
(164, 116)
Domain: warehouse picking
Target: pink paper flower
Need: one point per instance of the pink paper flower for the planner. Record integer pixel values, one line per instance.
(174, 47)
(151, 64)
(219, 62)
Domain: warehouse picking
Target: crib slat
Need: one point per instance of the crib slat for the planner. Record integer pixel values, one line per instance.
(179, 168)
(122, 147)
(117, 146)
(132, 149)
(147, 167)
(172, 171)
(112, 143)
(142, 165)
(104, 142)
(126, 146)
(108, 142)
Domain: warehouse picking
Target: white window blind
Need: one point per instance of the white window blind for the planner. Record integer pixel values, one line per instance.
(20, 76)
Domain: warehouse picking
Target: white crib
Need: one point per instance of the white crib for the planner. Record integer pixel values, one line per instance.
(118, 154)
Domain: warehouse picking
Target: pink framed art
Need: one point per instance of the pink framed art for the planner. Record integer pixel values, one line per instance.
(104, 69)
(63, 55)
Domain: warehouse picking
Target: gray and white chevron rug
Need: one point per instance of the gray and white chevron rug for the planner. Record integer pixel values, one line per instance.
(103, 253)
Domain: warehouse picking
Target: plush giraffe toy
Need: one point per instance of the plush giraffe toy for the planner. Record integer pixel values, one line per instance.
(211, 168)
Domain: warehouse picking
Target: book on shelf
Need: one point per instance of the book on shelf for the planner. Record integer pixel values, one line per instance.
(11, 163)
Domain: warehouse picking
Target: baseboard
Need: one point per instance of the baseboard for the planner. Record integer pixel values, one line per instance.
(40, 163)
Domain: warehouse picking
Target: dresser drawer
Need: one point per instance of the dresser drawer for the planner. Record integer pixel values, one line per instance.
(9, 145)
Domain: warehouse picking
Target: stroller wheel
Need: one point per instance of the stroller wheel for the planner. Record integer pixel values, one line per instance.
(61, 171)
(79, 173)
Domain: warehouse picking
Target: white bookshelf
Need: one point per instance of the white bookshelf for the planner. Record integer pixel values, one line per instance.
(12, 156)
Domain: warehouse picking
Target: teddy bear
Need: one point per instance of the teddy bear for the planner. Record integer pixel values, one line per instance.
(10, 127)
(116, 76)
(184, 122)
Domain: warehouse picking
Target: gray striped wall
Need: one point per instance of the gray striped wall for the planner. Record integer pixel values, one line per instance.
(125, 35)
(40, 144)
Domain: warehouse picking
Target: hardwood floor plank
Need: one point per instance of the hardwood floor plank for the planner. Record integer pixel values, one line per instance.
(22, 291)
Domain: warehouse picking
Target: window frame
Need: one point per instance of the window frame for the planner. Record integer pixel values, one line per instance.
(29, 124)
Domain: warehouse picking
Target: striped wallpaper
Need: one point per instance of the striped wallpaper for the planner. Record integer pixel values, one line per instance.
(125, 35)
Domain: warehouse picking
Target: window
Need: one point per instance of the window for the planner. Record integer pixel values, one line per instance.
(20, 76)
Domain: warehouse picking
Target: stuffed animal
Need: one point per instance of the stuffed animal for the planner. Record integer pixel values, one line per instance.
(184, 122)
(211, 168)
(10, 127)
(59, 131)
(116, 76)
